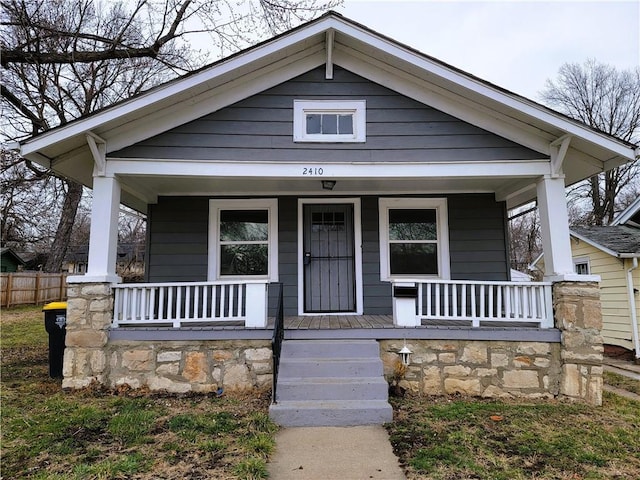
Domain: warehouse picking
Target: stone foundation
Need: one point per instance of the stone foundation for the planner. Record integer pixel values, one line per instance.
(180, 367)
(477, 368)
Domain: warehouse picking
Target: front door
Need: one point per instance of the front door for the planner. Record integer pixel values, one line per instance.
(329, 258)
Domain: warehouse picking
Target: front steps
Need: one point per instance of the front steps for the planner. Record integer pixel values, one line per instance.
(331, 383)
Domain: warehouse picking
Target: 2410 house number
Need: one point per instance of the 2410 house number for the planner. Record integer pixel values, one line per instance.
(312, 171)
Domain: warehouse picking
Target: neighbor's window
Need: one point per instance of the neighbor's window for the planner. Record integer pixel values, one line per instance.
(329, 121)
(243, 239)
(581, 265)
(413, 238)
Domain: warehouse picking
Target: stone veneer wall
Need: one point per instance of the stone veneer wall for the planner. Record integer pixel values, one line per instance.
(578, 314)
(89, 310)
(180, 367)
(496, 369)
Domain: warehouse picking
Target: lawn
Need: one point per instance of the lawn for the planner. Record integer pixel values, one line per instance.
(454, 438)
(101, 434)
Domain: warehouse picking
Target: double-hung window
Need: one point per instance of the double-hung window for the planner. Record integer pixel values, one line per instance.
(338, 121)
(243, 239)
(414, 241)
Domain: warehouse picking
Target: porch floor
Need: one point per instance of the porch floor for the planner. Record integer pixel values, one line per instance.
(344, 327)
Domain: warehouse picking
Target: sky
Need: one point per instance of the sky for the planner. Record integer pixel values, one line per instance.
(514, 44)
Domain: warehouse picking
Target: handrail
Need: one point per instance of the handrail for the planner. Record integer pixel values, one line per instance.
(276, 342)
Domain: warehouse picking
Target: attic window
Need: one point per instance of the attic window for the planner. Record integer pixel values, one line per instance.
(582, 265)
(338, 121)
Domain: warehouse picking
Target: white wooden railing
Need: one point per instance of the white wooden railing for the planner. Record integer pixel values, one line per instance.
(177, 304)
(479, 302)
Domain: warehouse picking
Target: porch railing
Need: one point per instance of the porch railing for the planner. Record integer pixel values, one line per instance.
(479, 302)
(177, 304)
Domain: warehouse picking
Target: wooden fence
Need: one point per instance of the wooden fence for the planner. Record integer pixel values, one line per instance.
(32, 288)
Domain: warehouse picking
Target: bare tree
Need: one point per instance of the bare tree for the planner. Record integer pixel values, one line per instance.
(608, 100)
(62, 59)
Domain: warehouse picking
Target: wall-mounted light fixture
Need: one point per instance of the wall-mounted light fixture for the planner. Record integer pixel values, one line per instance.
(328, 184)
(405, 354)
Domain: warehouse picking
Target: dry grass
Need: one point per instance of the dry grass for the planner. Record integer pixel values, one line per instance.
(101, 434)
(454, 438)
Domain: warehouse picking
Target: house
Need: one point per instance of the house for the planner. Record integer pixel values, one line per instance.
(130, 262)
(10, 261)
(612, 253)
(322, 192)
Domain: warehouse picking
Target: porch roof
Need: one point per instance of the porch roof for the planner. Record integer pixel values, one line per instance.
(332, 39)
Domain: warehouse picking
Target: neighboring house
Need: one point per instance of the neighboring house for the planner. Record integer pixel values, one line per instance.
(361, 185)
(130, 262)
(10, 261)
(612, 253)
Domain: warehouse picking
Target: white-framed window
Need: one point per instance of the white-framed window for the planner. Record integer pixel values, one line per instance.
(335, 121)
(582, 266)
(414, 238)
(243, 239)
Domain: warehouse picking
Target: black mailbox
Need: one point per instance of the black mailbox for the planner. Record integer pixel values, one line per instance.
(405, 292)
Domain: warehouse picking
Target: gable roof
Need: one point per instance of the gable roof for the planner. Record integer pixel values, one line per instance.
(330, 39)
(620, 241)
(630, 215)
(9, 253)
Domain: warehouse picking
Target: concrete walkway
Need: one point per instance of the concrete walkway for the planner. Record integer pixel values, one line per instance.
(622, 367)
(334, 453)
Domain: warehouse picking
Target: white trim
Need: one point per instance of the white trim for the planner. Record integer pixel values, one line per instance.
(357, 108)
(276, 168)
(583, 260)
(357, 245)
(329, 40)
(442, 220)
(627, 213)
(215, 206)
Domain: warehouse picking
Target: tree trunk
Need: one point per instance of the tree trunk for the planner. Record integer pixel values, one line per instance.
(65, 226)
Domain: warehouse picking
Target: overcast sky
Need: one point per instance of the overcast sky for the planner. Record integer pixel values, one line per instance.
(514, 44)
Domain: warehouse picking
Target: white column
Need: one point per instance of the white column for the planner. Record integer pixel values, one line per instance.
(554, 229)
(103, 239)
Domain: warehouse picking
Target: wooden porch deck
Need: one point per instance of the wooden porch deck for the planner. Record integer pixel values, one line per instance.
(342, 322)
(344, 327)
(335, 322)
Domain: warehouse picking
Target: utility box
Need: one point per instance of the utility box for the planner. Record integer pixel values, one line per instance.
(55, 323)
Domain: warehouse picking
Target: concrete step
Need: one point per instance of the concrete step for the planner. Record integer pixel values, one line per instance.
(330, 367)
(330, 349)
(333, 388)
(330, 413)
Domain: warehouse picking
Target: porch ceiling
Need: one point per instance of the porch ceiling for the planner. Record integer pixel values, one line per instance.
(200, 185)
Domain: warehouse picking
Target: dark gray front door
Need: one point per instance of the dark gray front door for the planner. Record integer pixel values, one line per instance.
(329, 263)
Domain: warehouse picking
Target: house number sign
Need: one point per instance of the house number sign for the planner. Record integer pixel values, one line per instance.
(312, 171)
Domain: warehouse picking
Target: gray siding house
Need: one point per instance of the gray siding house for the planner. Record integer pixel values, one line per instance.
(323, 192)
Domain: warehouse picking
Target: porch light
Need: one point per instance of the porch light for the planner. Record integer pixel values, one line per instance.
(404, 354)
(328, 184)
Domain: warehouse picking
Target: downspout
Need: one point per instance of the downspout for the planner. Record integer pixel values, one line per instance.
(632, 307)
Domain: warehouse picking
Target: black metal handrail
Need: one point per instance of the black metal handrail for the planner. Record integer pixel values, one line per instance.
(276, 342)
